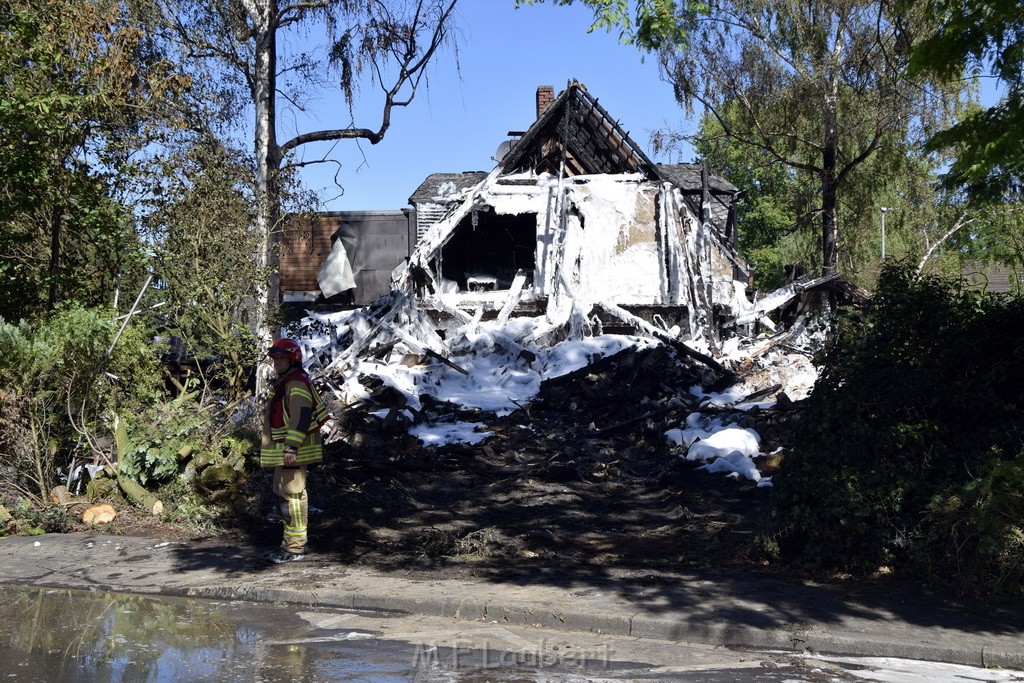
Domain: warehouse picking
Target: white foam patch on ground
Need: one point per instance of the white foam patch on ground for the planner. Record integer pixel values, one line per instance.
(893, 670)
(457, 432)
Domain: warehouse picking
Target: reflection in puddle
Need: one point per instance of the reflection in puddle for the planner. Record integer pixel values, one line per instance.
(72, 635)
(69, 635)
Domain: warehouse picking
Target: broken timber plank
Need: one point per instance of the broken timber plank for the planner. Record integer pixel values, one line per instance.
(645, 327)
(767, 391)
(358, 346)
(417, 345)
(436, 356)
(782, 296)
(515, 293)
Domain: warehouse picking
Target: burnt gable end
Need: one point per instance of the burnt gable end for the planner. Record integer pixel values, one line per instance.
(576, 129)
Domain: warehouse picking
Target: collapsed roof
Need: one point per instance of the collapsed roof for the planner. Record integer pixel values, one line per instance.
(576, 221)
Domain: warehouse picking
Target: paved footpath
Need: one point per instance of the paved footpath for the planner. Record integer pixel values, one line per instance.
(714, 608)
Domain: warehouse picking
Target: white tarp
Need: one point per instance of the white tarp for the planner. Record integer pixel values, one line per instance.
(336, 274)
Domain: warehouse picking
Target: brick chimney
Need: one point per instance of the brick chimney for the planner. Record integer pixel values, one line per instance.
(545, 95)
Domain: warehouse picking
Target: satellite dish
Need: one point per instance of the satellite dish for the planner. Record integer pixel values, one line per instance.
(502, 150)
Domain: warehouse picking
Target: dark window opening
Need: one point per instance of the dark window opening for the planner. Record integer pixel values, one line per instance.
(488, 256)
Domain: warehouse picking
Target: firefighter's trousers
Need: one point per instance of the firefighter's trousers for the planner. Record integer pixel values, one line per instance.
(290, 486)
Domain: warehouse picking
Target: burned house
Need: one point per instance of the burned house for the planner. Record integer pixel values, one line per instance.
(575, 220)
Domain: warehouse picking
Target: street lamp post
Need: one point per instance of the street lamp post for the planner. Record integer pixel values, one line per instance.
(884, 209)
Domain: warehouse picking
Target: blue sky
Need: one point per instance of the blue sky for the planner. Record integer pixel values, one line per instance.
(458, 122)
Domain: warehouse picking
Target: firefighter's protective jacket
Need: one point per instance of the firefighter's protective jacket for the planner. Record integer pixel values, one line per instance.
(294, 417)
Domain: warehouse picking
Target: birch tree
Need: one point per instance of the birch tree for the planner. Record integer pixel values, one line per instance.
(263, 48)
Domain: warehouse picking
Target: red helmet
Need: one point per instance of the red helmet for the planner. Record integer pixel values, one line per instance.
(286, 348)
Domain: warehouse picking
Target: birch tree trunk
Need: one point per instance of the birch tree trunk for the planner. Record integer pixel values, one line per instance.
(263, 15)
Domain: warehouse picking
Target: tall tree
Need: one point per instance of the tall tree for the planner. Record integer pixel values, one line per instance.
(77, 88)
(817, 87)
(778, 205)
(252, 42)
(981, 37)
(204, 245)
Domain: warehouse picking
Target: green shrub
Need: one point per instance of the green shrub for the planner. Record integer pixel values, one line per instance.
(975, 536)
(49, 371)
(58, 380)
(159, 437)
(156, 442)
(916, 401)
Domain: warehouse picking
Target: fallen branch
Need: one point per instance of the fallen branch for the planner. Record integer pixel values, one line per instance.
(140, 496)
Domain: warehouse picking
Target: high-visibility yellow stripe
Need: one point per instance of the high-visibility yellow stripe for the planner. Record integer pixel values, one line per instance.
(301, 392)
(306, 455)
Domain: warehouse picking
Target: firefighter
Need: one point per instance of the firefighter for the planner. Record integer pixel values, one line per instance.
(292, 442)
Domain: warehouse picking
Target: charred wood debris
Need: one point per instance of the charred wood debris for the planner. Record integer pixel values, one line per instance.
(604, 420)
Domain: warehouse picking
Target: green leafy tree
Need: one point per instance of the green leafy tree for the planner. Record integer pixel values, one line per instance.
(817, 88)
(651, 25)
(979, 37)
(205, 248)
(59, 376)
(78, 84)
(993, 232)
(773, 204)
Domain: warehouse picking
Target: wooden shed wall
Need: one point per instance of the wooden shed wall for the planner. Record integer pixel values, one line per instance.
(384, 240)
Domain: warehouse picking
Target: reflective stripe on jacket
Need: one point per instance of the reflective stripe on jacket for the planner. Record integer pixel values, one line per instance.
(294, 417)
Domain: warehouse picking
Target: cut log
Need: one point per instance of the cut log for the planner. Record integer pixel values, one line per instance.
(103, 513)
(140, 496)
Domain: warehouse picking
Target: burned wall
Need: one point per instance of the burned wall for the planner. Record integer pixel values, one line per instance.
(379, 242)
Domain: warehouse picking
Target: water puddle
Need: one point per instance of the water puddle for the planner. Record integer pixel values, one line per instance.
(71, 635)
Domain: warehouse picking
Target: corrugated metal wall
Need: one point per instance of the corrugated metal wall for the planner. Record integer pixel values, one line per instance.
(383, 240)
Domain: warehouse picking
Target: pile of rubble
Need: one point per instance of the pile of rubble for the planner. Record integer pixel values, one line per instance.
(389, 376)
(554, 443)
